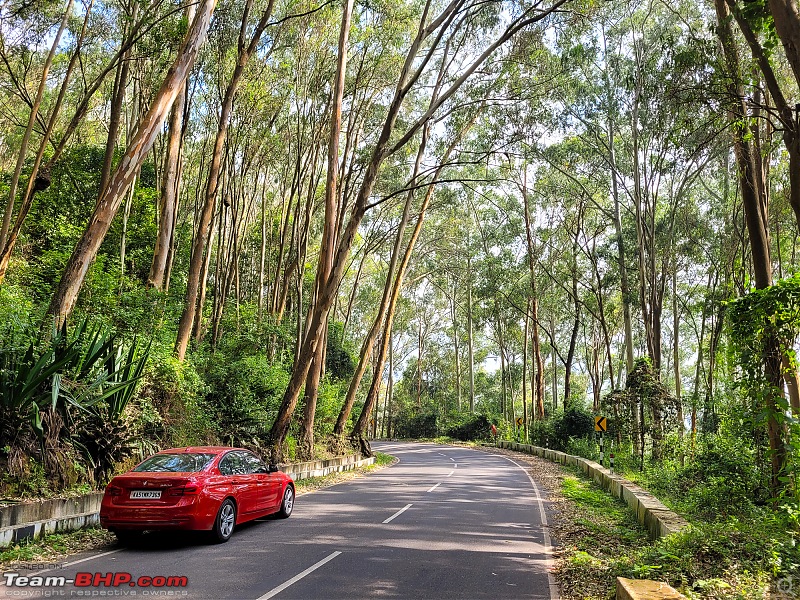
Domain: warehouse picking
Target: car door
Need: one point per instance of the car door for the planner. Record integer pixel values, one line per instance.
(244, 482)
(269, 487)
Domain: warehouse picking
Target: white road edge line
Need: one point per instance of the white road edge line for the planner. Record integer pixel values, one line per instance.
(434, 487)
(390, 519)
(450, 473)
(274, 592)
(76, 562)
(551, 580)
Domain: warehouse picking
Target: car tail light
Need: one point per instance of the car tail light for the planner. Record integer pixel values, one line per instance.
(185, 490)
(113, 490)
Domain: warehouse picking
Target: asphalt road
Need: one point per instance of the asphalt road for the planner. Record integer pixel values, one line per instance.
(445, 522)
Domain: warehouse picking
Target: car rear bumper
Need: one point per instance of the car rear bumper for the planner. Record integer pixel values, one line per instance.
(151, 518)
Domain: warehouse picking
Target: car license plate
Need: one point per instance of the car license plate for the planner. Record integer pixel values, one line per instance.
(146, 494)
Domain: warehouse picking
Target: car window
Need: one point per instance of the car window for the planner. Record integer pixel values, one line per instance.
(234, 464)
(185, 462)
(255, 464)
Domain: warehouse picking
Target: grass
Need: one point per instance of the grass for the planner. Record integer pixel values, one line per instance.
(55, 547)
(734, 558)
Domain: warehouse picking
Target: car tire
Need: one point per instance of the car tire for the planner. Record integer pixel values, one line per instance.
(128, 537)
(287, 504)
(225, 522)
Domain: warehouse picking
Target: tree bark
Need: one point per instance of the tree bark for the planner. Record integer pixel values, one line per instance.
(330, 227)
(409, 74)
(787, 26)
(37, 179)
(372, 395)
(756, 220)
(369, 341)
(170, 184)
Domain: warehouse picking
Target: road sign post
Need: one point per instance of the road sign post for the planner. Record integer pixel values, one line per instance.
(601, 426)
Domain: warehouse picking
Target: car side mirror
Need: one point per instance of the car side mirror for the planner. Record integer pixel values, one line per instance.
(272, 468)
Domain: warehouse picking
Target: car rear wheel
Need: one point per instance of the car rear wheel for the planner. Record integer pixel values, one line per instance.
(287, 504)
(225, 521)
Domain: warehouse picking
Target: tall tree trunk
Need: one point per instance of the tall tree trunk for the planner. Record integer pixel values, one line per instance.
(619, 238)
(756, 221)
(524, 374)
(40, 180)
(170, 184)
(573, 340)
(537, 390)
(369, 341)
(787, 26)
(676, 358)
(470, 340)
(538, 360)
(554, 362)
(115, 116)
(372, 395)
(330, 228)
(66, 295)
(456, 353)
(409, 74)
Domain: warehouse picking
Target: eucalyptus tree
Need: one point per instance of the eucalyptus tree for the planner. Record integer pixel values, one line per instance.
(246, 46)
(447, 27)
(66, 294)
(88, 58)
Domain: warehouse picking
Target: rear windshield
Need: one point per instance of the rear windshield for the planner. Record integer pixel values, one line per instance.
(185, 462)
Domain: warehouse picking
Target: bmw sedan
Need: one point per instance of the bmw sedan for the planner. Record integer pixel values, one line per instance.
(206, 488)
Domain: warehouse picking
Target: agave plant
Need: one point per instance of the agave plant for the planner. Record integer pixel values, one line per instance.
(90, 370)
(31, 380)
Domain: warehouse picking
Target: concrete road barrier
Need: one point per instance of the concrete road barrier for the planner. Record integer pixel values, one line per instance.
(659, 520)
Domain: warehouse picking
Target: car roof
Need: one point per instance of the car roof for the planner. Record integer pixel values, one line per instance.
(199, 450)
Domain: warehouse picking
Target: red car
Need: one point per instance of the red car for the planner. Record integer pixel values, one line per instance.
(209, 488)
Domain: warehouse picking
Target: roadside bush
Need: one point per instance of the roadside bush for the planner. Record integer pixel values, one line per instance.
(408, 426)
(563, 428)
(722, 479)
(471, 427)
(176, 392)
(339, 361)
(244, 396)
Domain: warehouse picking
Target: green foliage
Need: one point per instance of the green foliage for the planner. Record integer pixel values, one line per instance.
(176, 392)
(471, 428)
(764, 326)
(557, 431)
(243, 396)
(339, 360)
(68, 391)
(415, 426)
